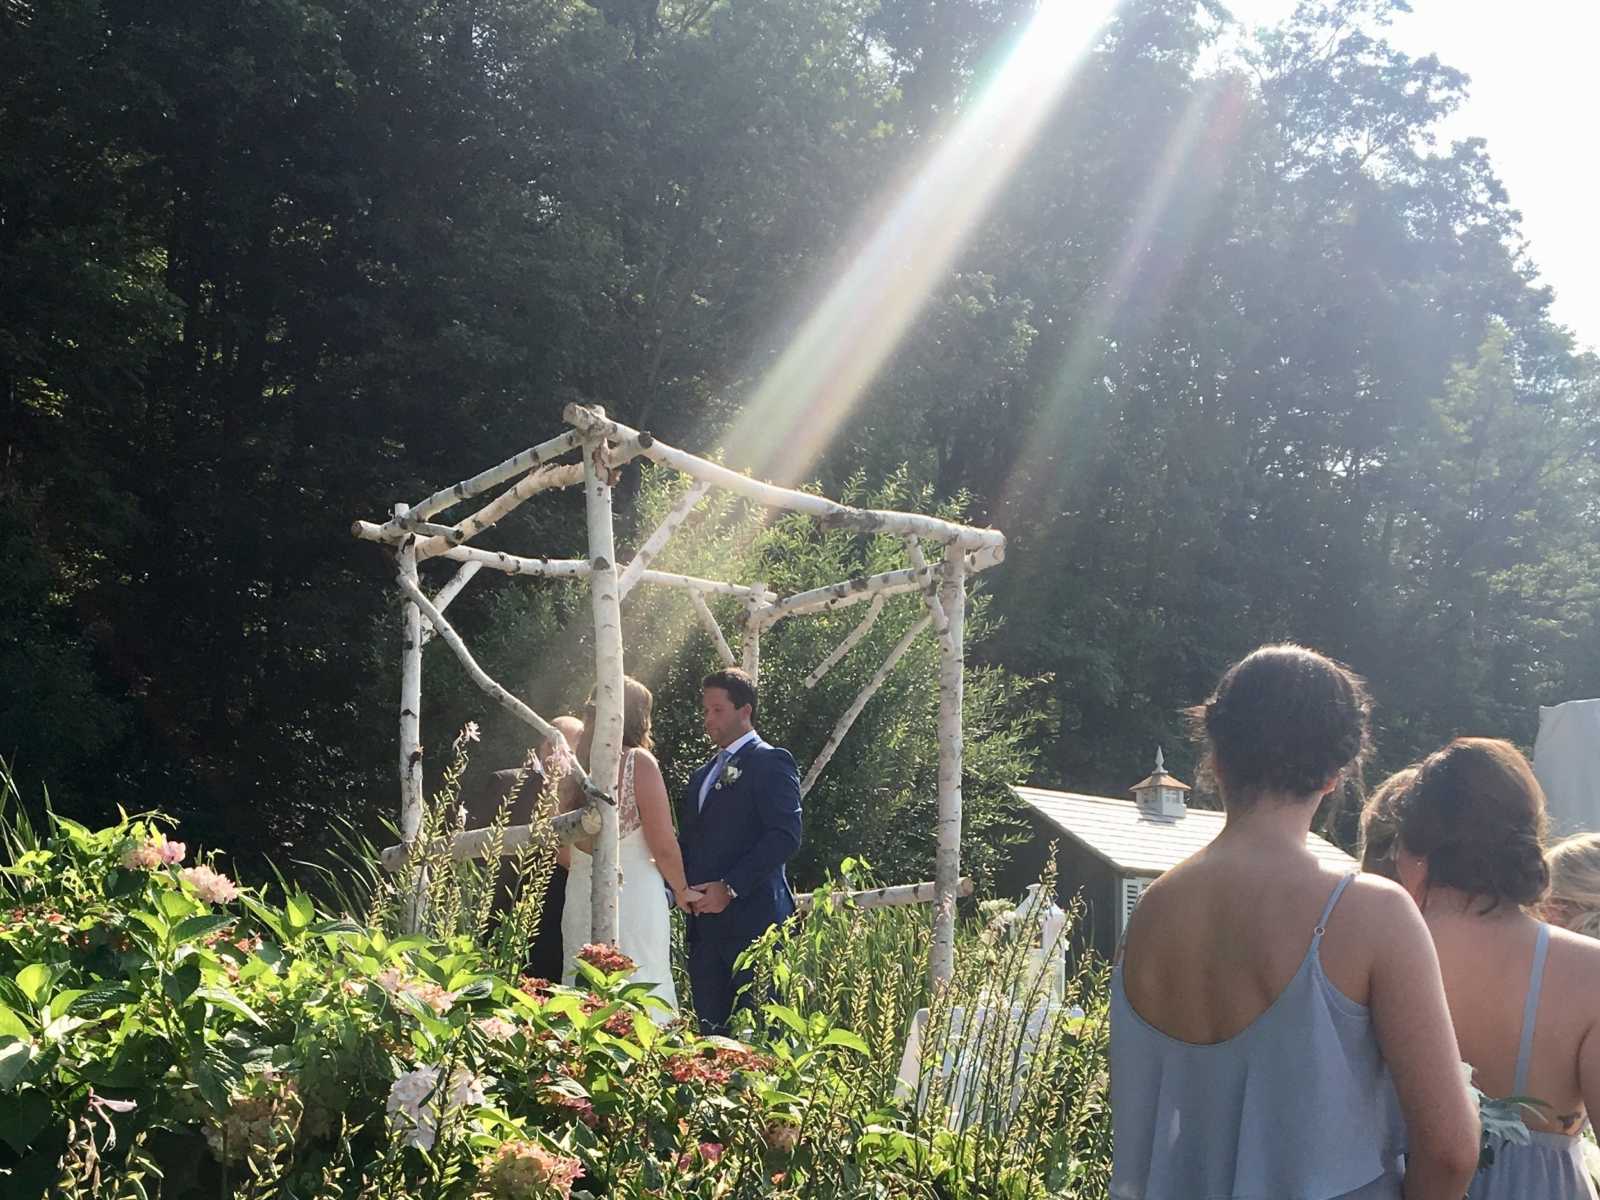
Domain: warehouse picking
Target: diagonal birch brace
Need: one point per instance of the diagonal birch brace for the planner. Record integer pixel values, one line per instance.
(842, 727)
(657, 541)
(443, 597)
(708, 621)
(852, 639)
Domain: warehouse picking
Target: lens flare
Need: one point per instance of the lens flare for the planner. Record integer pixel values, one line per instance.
(818, 379)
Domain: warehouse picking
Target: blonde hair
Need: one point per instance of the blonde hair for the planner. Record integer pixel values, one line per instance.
(637, 703)
(1575, 882)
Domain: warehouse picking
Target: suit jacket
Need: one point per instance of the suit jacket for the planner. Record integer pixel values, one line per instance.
(749, 828)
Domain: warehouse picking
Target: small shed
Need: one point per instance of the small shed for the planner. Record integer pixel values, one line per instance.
(1111, 848)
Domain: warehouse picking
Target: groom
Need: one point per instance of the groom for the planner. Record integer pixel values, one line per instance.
(739, 823)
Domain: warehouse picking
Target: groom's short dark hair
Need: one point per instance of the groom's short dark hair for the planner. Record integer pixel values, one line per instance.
(740, 687)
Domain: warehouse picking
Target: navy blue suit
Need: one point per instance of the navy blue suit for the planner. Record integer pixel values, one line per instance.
(748, 829)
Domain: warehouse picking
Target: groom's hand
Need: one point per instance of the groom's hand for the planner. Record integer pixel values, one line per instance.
(688, 898)
(714, 898)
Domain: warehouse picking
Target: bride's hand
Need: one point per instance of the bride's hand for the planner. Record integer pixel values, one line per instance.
(687, 897)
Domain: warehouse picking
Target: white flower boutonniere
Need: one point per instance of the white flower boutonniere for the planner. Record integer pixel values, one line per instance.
(730, 774)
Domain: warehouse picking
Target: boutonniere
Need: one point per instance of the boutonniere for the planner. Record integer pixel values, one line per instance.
(730, 774)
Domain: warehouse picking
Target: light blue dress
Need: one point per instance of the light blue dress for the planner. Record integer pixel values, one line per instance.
(1551, 1166)
(1296, 1106)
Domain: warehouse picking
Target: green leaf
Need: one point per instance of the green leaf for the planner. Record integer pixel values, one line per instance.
(193, 929)
(34, 980)
(23, 1117)
(14, 1059)
(180, 985)
(342, 926)
(11, 1024)
(300, 911)
(97, 1000)
(224, 999)
(266, 916)
(843, 1037)
(176, 906)
(788, 1016)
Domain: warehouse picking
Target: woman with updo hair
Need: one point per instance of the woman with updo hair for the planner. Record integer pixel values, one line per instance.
(1467, 843)
(1574, 901)
(1272, 1020)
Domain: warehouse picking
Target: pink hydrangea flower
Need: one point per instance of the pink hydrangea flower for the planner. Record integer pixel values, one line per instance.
(172, 853)
(141, 856)
(521, 1168)
(211, 886)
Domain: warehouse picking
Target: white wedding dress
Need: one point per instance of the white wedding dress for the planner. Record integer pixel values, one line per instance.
(644, 930)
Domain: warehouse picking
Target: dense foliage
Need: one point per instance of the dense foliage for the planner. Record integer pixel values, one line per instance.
(1239, 353)
(165, 1032)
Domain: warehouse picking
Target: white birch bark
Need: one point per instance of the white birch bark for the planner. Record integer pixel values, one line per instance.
(947, 855)
(885, 897)
(411, 779)
(567, 827)
(750, 650)
(577, 568)
(517, 464)
(708, 621)
(657, 541)
(606, 743)
(852, 639)
(847, 592)
(542, 479)
(842, 726)
(930, 594)
(829, 512)
(443, 597)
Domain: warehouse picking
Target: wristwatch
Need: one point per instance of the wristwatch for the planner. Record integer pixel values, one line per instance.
(732, 895)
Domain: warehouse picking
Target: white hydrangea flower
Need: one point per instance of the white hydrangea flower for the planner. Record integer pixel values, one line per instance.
(414, 1102)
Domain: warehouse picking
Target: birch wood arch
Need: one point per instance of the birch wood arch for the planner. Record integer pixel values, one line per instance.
(603, 447)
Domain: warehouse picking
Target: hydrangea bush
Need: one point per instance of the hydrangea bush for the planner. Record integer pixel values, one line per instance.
(166, 1031)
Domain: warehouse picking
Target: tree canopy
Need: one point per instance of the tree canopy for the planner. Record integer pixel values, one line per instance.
(1241, 352)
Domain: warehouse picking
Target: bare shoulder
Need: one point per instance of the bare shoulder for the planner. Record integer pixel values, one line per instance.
(1373, 900)
(645, 764)
(1578, 957)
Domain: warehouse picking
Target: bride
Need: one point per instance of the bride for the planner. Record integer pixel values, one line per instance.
(647, 854)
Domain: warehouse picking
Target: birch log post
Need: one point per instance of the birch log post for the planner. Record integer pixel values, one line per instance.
(592, 423)
(708, 621)
(411, 785)
(443, 597)
(842, 726)
(606, 743)
(884, 897)
(947, 856)
(930, 594)
(852, 639)
(750, 657)
(657, 541)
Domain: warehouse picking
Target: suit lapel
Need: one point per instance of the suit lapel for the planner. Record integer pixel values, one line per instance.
(725, 786)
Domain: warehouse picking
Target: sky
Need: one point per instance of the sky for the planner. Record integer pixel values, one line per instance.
(1535, 97)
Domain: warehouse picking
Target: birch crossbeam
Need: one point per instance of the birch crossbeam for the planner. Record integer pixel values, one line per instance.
(517, 464)
(885, 897)
(567, 828)
(829, 512)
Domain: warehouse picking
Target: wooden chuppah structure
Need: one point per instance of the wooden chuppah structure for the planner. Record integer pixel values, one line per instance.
(606, 446)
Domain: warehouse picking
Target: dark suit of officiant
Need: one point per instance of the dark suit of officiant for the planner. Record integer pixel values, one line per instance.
(743, 831)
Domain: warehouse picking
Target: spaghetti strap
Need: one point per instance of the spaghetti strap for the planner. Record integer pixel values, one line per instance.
(1530, 1010)
(1327, 911)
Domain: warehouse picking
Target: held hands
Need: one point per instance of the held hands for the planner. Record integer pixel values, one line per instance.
(710, 899)
(687, 897)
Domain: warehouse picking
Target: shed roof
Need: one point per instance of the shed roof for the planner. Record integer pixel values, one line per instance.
(1136, 843)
